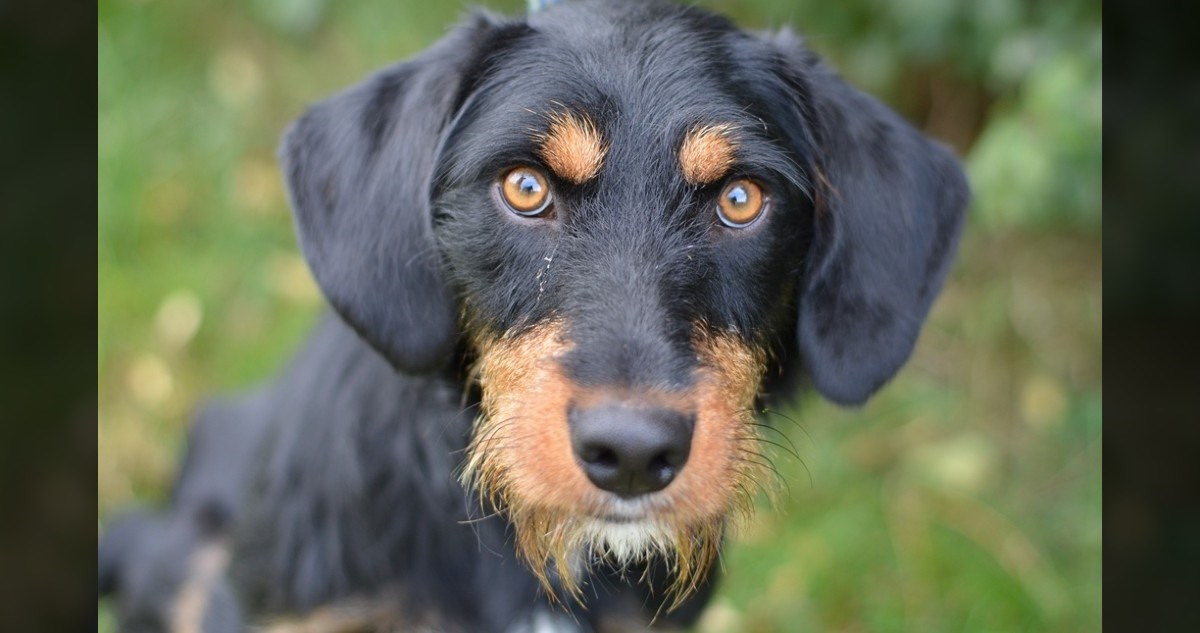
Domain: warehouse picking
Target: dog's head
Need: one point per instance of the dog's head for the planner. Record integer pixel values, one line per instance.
(632, 214)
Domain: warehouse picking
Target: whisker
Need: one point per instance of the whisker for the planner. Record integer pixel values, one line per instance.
(790, 450)
(765, 462)
(793, 421)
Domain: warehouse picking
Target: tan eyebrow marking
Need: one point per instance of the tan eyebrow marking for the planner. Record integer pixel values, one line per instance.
(707, 152)
(572, 147)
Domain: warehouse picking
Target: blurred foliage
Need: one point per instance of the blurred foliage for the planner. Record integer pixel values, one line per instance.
(965, 497)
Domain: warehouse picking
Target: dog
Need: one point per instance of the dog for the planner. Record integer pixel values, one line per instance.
(567, 256)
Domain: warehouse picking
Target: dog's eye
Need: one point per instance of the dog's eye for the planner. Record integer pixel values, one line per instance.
(525, 191)
(741, 202)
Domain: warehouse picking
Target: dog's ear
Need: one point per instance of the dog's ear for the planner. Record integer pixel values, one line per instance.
(358, 168)
(889, 208)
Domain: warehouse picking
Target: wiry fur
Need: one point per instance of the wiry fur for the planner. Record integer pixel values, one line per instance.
(572, 147)
(708, 153)
(414, 464)
(516, 464)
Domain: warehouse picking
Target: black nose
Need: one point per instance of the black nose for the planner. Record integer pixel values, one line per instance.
(631, 450)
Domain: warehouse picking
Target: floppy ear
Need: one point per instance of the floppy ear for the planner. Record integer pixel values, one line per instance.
(358, 169)
(889, 210)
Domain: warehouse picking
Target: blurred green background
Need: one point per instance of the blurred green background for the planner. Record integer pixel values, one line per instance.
(964, 497)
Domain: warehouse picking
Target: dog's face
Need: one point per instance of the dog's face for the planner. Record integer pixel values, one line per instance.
(633, 214)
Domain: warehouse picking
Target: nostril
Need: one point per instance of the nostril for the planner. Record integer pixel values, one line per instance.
(674, 457)
(602, 456)
(663, 469)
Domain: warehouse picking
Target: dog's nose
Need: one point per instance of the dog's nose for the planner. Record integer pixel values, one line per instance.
(630, 450)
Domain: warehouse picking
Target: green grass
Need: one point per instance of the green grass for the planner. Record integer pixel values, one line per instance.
(965, 497)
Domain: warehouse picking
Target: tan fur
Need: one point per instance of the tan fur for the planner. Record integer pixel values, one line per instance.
(708, 153)
(204, 568)
(351, 615)
(521, 460)
(572, 147)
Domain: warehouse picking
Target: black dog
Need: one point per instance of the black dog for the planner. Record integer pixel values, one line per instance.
(569, 255)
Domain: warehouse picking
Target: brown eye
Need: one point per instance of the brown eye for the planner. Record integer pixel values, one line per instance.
(525, 191)
(741, 202)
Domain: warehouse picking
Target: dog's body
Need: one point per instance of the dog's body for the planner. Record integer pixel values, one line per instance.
(568, 257)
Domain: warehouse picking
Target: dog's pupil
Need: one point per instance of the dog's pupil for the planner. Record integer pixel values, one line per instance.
(738, 196)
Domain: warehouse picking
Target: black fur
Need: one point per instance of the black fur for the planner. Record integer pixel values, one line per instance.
(338, 479)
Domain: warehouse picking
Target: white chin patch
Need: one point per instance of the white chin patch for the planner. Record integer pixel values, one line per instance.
(629, 542)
